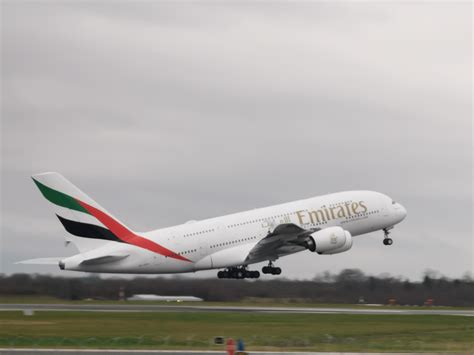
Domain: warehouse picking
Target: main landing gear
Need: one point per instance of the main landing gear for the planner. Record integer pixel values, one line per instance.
(240, 272)
(386, 239)
(270, 269)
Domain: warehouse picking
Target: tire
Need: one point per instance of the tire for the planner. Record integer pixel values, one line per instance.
(239, 275)
(389, 241)
(276, 271)
(385, 242)
(265, 270)
(256, 274)
(220, 274)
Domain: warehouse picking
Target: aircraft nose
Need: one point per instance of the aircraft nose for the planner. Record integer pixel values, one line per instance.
(402, 212)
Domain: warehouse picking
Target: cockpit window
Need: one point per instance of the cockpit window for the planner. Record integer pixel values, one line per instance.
(393, 202)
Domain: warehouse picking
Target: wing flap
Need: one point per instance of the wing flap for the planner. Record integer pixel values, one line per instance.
(286, 238)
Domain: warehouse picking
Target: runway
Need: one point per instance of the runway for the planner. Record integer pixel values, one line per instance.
(202, 308)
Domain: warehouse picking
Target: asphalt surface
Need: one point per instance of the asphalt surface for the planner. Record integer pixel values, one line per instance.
(202, 308)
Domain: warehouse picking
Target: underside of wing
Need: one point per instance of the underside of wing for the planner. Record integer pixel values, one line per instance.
(103, 259)
(285, 239)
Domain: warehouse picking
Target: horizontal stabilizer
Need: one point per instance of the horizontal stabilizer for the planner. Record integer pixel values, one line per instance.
(103, 259)
(42, 261)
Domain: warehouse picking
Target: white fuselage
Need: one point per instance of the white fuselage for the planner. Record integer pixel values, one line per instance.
(226, 241)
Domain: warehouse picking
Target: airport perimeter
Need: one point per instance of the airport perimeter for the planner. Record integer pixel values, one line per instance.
(187, 327)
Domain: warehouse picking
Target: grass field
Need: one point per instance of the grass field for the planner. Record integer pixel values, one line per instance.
(172, 330)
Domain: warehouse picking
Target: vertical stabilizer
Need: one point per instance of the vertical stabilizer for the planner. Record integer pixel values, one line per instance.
(75, 211)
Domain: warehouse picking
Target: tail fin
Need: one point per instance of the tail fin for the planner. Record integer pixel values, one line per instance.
(88, 223)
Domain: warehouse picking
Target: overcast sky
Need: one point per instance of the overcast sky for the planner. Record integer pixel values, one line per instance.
(169, 111)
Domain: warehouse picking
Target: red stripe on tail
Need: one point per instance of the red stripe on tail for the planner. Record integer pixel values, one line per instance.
(127, 236)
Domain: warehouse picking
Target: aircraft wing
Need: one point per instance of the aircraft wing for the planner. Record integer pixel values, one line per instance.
(286, 238)
(94, 260)
(42, 261)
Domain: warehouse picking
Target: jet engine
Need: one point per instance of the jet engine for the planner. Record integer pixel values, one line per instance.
(331, 240)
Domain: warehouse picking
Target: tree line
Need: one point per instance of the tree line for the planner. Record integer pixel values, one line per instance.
(349, 286)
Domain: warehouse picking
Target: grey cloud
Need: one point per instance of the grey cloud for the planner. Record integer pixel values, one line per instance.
(167, 112)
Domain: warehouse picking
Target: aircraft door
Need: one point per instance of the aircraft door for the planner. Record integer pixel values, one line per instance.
(385, 213)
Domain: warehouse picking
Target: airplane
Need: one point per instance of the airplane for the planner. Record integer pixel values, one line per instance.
(324, 225)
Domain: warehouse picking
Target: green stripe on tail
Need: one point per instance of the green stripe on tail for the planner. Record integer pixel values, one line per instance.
(59, 198)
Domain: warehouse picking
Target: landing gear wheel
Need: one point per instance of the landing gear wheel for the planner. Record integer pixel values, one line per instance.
(254, 274)
(270, 269)
(240, 273)
(224, 274)
(387, 240)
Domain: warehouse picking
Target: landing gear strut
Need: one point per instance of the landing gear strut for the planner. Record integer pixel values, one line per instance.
(270, 269)
(386, 239)
(238, 272)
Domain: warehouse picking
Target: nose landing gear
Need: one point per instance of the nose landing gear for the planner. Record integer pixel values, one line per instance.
(386, 239)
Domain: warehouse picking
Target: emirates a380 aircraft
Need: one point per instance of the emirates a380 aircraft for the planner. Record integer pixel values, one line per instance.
(324, 225)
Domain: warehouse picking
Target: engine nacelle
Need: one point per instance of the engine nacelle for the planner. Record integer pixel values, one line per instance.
(330, 240)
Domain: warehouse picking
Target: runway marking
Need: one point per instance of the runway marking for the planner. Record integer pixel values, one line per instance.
(172, 308)
(24, 322)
